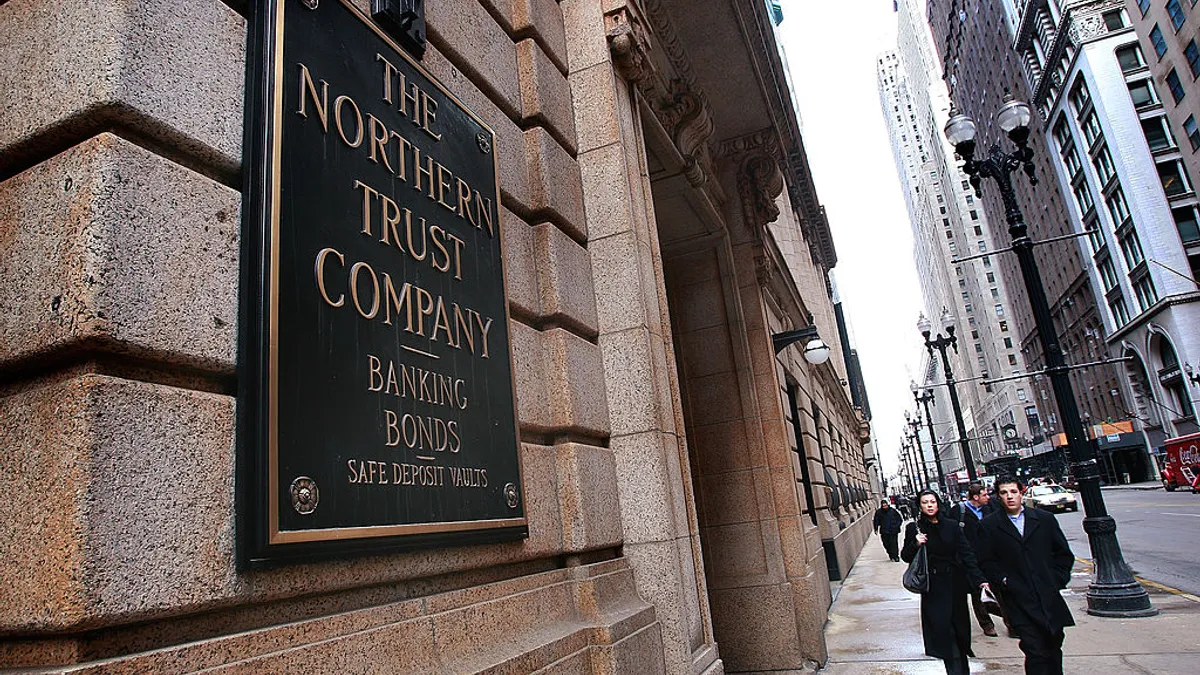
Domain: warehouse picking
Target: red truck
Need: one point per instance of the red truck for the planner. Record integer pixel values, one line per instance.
(1183, 463)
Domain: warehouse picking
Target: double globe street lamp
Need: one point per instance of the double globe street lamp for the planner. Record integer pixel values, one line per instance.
(941, 343)
(1114, 592)
(924, 397)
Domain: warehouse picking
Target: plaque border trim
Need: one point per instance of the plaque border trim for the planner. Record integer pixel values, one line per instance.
(273, 548)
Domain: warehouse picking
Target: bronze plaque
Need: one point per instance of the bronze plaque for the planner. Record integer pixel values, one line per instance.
(376, 394)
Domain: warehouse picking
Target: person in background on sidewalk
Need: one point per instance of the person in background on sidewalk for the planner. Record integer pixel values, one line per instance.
(970, 513)
(945, 623)
(1023, 552)
(887, 525)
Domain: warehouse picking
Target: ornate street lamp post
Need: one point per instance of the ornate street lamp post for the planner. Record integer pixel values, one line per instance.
(914, 423)
(1114, 592)
(913, 477)
(924, 398)
(941, 343)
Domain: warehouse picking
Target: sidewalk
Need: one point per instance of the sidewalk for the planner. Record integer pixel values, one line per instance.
(874, 628)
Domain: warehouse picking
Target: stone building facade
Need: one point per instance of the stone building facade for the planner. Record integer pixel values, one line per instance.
(689, 492)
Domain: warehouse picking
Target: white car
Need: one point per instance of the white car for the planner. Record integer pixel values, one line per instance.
(1051, 498)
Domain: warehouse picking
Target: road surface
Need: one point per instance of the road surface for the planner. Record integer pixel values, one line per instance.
(1159, 533)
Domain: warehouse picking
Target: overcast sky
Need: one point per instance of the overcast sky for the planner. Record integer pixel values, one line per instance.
(831, 52)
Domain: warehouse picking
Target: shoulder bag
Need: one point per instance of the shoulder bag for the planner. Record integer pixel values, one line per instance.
(916, 577)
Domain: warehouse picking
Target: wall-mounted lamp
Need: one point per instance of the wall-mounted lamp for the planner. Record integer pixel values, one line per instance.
(816, 351)
(1191, 373)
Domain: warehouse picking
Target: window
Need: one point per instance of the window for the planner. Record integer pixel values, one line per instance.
(1175, 86)
(1071, 160)
(1108, 274)
(1115, 20)
(974, 214)
(1144, 290)
(1130, 58)
(1186, 223)
(1104, 165)
(1119, 311)
(1094, 236)
(978, 231)
(1193, 58)
(1118, 208)
(1143, 94)
(969, 307)
(1079, 97)
(1021, 395)
(1158, 137)
(1091, 129)
(949, 234)
(999, 309)
(1176, 12)
(1156, 39)
(1193, 134)
(1083, 197)
(1173, 177)
(942, 210)
(987, 261)
(1131, 249)
(995, 293)
(991, 277)
(978, 348)
(1012, 360)
(1008, 343)
(982, 247)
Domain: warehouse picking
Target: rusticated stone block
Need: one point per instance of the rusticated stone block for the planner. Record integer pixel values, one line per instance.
(128, 501)
(542, 20)
(555, 183)
(545, 96)
(529, 370)
(630, 381)
(575, 383)
(169, 71)
(587, 44)
(595, 97)
(564, 271)
(466, 34)
(108, 244)
(588, 501)
(520, 265)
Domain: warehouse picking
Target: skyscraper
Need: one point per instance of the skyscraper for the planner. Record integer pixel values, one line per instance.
(989, 50)
(948, 224)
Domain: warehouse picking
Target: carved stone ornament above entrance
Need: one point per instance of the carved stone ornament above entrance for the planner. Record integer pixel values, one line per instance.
(629, 43)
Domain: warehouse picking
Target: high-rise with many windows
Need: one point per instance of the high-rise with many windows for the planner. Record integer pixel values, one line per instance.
(1115, 152)
(1030, 48)
(949, 224)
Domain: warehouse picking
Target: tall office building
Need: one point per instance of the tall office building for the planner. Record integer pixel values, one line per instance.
(1114, 152)
(948, 224)
(989, 50)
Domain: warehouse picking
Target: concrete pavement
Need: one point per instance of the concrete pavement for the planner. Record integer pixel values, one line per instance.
(875, 629)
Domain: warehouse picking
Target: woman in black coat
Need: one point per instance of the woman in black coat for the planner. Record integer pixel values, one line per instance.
(945, 618)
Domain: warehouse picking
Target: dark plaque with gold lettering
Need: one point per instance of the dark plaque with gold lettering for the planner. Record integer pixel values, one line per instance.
(376, 392)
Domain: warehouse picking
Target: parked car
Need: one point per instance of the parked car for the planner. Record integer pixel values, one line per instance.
(1051, 498)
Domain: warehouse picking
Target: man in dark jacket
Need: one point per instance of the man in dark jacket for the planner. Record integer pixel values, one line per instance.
(1024, 553)
(887, 524)
(971, 512)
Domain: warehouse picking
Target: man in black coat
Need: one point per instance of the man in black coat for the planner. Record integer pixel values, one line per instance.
(887, 524)
(971, 512)
(1024, 553)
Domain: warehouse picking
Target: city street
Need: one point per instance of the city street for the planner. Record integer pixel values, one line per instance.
(1159, 533)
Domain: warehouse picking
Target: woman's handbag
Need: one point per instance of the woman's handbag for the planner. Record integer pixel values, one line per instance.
(916, 577)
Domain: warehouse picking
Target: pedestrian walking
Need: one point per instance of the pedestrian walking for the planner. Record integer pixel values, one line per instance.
(887, 525)
(1023, 553)
(971, 512)
(953, 573)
